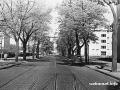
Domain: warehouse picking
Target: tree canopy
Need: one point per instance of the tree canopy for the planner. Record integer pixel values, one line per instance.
(82, 17)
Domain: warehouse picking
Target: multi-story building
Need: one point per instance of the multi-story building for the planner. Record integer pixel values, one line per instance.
(4, 42)
(103, 46)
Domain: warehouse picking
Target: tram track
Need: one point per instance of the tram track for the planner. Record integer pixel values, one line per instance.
(16, 77)
(47, 83)
(43, 87)
(52, 79)
(76, 80)
(77, 84)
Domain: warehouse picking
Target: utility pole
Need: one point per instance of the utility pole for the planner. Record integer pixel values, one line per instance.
(114, 34)
(118, 23)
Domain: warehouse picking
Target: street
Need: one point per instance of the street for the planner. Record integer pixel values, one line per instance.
(52, 74)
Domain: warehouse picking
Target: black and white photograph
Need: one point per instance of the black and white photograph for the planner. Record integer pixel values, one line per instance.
(59, 44)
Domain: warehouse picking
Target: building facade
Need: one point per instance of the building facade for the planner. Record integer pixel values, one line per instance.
(103, 46)
(4, 42)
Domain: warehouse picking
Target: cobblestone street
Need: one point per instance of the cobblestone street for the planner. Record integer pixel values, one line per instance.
(52, 74)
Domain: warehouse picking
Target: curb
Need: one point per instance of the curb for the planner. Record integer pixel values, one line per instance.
(8, 66)
(105, 73)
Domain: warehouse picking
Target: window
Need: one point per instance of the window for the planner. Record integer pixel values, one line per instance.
(103, 41)
(103, 52)
(103, 35)
(103, 47)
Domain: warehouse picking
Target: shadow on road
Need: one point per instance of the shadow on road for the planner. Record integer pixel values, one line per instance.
(38, 60)
(101, 65)
(114, 87)
(77, 64)
(97, 63)
(26, 65)
(71, 64)
(35, 60)
(41, 59)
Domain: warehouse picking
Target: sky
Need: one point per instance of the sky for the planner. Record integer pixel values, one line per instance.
(51, 4)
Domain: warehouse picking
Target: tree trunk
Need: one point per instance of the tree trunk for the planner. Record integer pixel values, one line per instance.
(88, 52)
(80, 55)
(37, 49)
(72, 52)
(69, 52)
(86, 57)
(33, 51)
(63, 52)
(78, 50)
(17, 50)
(78, 47)
(77, 43)
(24, 50)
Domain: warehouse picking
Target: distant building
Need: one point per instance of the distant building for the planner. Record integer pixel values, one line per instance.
(4, 42)
(103, 47)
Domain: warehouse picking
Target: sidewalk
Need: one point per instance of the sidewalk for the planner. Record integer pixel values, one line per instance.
(9, 63)
(106, 69)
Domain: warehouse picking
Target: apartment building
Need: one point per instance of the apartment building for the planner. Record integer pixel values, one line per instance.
(103, 46)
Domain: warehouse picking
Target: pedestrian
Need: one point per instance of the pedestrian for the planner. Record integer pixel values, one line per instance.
(5, 56)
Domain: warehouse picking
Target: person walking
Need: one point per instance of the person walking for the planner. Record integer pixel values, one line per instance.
(5, 56)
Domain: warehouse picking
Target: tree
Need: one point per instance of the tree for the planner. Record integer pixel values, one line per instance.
(11, 48)
(68, 39)
(14, 14)
(32, 25)
(47, 47)
(61, 48)
(40, 38)
(11, 20)
(82, 17)
(89, 36)
(114, 31)
(22, 18)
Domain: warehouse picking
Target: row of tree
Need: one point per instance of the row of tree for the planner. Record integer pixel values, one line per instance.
(78, 20)
(114, 25)
(24, 20)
